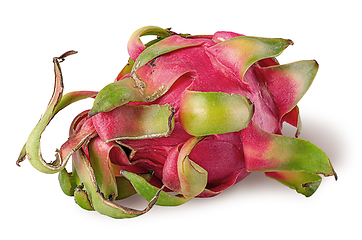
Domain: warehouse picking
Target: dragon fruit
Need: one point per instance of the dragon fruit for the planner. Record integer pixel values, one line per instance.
(191, 115)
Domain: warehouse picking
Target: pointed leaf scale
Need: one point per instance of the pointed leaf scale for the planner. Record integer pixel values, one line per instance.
(288, 83)
(126, 69)
(77, 139)
(303, 182)
(135, 45)
(293, 118)
(73, 97)
(125, 187)
(147, 191)
(32, 148)
(67, 182)
(33, 143)
(207, 113)
(101, 164)
(239, 53)
(166, 45)
(193, 178)
(114, 95)
(66, 100)
(135, 122)
(270, 153)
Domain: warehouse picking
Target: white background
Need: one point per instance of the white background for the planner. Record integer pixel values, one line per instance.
(33, 32)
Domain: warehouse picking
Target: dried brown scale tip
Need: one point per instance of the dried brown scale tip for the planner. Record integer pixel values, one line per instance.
(66, 54)
(19, 161)
(22, 156)
(334, 172)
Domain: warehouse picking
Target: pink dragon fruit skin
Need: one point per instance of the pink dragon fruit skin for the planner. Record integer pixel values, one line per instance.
(188, 114)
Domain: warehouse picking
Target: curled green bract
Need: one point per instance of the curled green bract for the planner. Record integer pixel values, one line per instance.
(148, 191)
(57, 102)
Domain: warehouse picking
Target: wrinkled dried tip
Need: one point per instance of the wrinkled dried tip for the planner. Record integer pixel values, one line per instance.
(333, 172)
(66, 54)
(19, 161)
(335, 175)
(22, 156)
